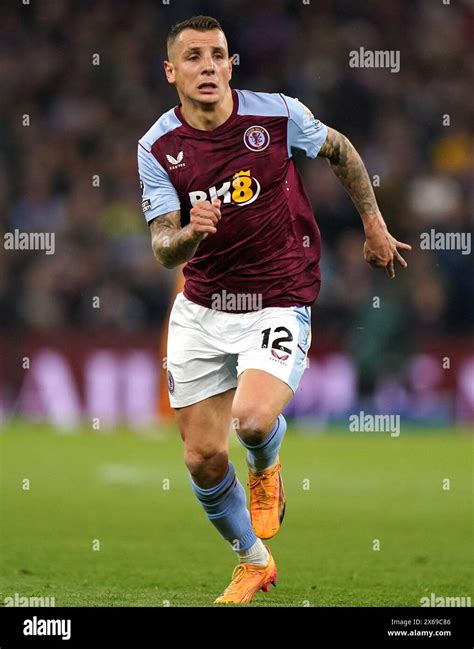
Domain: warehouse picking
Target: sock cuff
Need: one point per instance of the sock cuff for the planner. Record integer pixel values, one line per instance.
(247, 540)
(280, 422)
(217, 490)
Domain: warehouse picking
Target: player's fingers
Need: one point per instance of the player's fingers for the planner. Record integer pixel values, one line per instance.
(217, 204)
(375, 261)
(403, 246)
(210, 211)
(205, 228)
(203, 219)
(216, 207)
(205, 215)
(217, 212)
(390, 269)
(400, 259)
(200, 204)
(207, 220)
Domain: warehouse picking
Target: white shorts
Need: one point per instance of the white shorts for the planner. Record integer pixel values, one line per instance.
(208, 349)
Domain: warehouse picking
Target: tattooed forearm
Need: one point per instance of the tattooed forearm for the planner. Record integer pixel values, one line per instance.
(173, 245)
(349, 168)
(380, 247)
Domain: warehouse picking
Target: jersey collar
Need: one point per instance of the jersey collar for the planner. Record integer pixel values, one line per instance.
(216, 131)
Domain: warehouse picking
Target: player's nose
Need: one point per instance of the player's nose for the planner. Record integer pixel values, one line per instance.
(209, 64)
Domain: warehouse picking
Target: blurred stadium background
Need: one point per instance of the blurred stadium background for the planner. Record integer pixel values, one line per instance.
(73, 171)
(85, 120)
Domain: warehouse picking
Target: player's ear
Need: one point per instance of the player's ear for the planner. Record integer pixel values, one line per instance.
(231, 67)
(169, 71)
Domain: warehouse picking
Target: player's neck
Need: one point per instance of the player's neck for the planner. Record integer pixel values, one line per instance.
(210, 118)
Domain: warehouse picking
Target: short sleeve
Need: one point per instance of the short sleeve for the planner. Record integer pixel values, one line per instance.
(305, 132)
(158, 194)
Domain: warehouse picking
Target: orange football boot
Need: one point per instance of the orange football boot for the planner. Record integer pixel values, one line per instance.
(267, 501)
(247, 580)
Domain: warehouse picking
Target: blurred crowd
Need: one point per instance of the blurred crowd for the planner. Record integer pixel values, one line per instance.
(81, 82)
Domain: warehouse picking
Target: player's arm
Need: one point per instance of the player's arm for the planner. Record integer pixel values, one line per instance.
(173, 245)
(380, 248)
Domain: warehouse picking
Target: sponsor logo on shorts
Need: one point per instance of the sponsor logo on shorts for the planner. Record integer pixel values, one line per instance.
(256, 138)
(273, 340)
(280, 357)
(171, 383)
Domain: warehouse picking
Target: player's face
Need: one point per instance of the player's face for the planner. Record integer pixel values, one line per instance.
(200, 66)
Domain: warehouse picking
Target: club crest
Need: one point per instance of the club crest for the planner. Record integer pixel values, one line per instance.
(256, 138)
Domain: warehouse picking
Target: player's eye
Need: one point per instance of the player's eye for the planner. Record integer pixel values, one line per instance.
(194, 57)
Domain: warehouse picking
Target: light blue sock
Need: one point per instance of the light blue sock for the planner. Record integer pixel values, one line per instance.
(264, 455)
(226, 507)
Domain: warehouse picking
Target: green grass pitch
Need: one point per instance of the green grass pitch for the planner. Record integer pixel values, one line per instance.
(128, 496)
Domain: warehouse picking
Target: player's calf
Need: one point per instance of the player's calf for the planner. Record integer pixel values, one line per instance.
(262, 447)
(267, 495)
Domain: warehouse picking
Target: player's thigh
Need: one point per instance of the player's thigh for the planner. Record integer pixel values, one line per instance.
(205, 425)
(273, 360)
(259, 399)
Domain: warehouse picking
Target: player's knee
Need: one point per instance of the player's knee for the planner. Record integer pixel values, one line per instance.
(252, 424)
(206, 466)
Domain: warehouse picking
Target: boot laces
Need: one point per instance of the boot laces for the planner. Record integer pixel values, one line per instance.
(265, 486)
(237, 575)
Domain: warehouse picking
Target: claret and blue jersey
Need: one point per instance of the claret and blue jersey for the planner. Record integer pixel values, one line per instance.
(267, 241)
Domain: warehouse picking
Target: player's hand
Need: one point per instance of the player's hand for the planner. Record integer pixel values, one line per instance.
(381, 249)
(204, 217)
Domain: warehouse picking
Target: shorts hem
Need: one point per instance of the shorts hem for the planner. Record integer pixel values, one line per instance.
(266, 369)
(183, 403)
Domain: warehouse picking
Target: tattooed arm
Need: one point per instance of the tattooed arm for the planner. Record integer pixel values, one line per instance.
(380, 248)
(173, 245)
